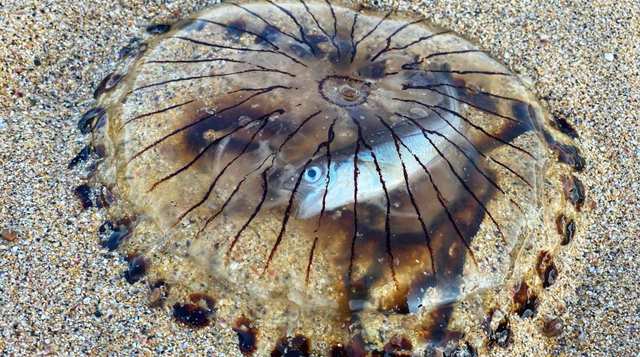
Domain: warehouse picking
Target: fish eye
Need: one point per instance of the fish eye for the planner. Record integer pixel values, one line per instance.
(312, 174)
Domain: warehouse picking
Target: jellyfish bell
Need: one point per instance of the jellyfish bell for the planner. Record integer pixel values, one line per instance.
(329, 170)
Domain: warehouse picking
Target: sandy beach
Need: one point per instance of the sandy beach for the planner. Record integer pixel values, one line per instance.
(63, 294)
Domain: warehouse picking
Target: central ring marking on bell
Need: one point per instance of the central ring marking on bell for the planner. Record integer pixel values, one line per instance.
(344, 91)
(349, 93)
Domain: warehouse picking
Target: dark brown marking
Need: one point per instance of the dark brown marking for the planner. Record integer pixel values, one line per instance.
(83, 192)
(476, 149)
(387, 224)
(220, 174)
(195, 314)
(338, 351)
(400, 343)
(86, 122)
(469, 103)
(100, 88)
(130, 50)
(158, 29)
(287, 213)
(104, 199)
(80, 157)
(303, 36)
(113, 81)
(253, 214)
(116, 233)
(441, 199)
(100, 150)
(208, 117)
(137, 268)
(374, 70)
(242, 30)
(335, 26)
(569, 232)
(437, 332)
(462, 182)
(570, 155)
(247, 336)
(115, 239)
(313, 248)
(352, 35)
(546, 270)
(330, 139)
(573, 191)
(452, 71)
(397, 141)
(525, 301)
(264, 175)
(138, 117)
(298, 346)
(356, 171)
(214, 143)
(355, 45)
(476, 127)
(204, 60)
(561, 221)
(299, 40)
(224, 205)
(241, 49)
(502, 336)
(566, 127)
(332, 37)
(421, 39)
(469, 159)
(260, 69)
(474, 91)
(446, 53)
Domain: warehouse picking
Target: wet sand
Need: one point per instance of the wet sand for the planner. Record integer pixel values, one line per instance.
(62, 294)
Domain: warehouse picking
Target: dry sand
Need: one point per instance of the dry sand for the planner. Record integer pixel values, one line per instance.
(61, 294)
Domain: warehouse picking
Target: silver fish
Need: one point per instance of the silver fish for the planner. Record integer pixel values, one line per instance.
(341, 187)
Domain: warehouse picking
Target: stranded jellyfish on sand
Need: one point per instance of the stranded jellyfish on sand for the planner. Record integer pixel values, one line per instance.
(338, 181)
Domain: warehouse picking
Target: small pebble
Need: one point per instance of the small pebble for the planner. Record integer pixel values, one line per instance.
(553, 327)
(9, 235)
